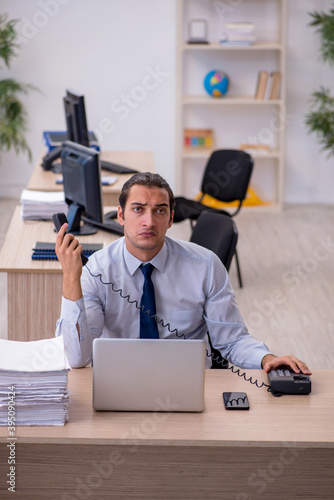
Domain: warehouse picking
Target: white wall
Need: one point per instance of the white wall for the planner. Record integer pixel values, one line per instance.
(109, 49)
(103, 49)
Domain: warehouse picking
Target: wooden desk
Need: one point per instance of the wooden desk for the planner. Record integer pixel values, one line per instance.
(34, 288)
(280, 448)
(45, 180)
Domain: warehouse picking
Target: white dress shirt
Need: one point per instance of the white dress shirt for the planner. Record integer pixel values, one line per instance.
(193, 295)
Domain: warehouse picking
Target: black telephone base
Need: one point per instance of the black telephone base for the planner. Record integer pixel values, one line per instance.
(286, 382)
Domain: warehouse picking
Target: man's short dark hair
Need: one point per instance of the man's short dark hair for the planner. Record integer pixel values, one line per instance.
(149, 180)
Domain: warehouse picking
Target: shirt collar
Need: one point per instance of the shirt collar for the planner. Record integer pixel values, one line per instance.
(133, 263)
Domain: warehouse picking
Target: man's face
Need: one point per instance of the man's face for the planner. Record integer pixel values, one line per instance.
(146, 218)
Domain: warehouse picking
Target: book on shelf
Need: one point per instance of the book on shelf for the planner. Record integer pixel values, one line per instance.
(239, 33)
(240, 26)
(261, 85)
(227, 42)
(255, 148)
(275, 85)
(240, 38)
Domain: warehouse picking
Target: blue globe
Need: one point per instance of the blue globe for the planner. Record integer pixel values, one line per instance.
(216, 83)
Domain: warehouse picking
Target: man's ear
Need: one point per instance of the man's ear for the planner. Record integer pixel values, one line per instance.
(120, 217)
(171, 219)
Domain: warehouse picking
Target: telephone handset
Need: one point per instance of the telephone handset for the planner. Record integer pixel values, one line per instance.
(58, 221)
(47, 162)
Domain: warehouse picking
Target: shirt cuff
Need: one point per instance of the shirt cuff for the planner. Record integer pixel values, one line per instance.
(258, 357)
(71, 311)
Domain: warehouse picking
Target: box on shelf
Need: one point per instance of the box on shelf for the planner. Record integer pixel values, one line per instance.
(198, 138)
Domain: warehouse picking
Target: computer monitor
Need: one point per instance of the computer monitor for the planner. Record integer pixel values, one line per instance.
(82, 187)
(77, 130)
(76, 121)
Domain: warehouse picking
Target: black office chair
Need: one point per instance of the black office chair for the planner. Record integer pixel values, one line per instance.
(226, 178)
(217, 232)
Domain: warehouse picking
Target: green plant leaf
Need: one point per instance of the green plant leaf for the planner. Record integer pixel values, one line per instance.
(324, 24)
(8, 46)
(321, 119)
(13, 117)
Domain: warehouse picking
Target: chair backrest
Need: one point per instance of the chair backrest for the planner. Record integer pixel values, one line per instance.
(218, 233)
(227, 175)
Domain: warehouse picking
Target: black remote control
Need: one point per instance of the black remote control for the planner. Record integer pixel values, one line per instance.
(58, 221)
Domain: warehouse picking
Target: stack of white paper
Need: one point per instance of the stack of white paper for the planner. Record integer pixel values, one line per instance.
(33, 382)
(41, 205)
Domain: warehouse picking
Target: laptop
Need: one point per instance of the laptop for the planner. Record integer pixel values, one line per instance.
(148, 374)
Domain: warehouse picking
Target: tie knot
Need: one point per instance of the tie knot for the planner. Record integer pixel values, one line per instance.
(147, 270)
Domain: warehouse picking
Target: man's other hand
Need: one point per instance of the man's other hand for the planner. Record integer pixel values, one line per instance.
(271, 362)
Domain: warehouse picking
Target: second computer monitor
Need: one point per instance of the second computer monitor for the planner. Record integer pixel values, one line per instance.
(76, 121)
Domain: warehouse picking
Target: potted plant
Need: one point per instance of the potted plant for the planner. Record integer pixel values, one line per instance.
(13, 116)
(321, 119)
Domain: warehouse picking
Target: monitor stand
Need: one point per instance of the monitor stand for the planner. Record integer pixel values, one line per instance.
(74, 222)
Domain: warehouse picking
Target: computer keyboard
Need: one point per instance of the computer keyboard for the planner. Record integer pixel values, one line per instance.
(112, 226)
(116, 168)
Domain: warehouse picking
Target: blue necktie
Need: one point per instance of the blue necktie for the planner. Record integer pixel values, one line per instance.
(148, 325)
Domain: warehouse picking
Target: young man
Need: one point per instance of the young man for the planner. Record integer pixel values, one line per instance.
(192, 291)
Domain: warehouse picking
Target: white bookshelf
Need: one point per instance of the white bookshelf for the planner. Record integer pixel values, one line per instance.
(236, 117)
